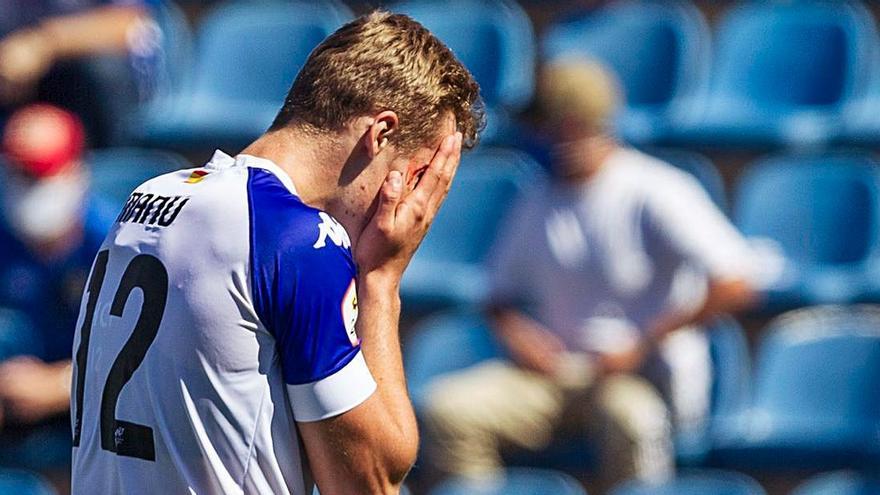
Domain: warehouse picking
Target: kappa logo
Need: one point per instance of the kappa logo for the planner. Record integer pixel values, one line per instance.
(330, 228)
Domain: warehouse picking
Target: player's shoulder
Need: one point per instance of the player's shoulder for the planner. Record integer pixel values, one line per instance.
(283, 225)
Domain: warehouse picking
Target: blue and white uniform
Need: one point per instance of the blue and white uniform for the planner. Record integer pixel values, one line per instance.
(220, 310)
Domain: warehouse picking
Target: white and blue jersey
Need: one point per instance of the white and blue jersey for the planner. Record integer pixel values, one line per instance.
(220, 310)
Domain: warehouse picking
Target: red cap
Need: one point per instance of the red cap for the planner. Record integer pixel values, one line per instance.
(43, 140)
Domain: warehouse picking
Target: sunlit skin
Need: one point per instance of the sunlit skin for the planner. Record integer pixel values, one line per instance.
(386, 198)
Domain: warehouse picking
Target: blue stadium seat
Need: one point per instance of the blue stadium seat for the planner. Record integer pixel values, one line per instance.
(821, 213)
(453, 341)
(814, 404)
(448, 267)
(659, 51)
(708, 482)
(495, 41)
(731, 374)
(442, 344)
(697, 165)
(247, 55)
(115, 172)
(784, 73)
(840, 483)
(17, 482)
(514, 481)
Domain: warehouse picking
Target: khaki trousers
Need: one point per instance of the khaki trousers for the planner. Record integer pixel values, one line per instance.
(471, 415)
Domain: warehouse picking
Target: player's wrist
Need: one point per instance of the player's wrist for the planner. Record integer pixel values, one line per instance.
(381, 280)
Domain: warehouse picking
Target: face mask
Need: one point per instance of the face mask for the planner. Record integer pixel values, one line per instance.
(43, 211)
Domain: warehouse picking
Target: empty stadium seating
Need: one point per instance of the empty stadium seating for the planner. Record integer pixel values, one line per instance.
(514, 481)
(485, 186)
(840, 483)
(494, 40)
(783, 74)
(821, 215)
(659, 51)
(246, 57)
(814, 403)
(696, 483)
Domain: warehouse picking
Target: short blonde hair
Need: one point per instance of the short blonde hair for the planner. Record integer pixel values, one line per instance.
(582, 91)
(384, 61)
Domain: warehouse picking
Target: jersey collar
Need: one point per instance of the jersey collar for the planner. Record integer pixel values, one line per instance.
(221, 160)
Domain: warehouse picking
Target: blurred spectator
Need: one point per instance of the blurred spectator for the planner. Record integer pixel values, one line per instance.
(600, 279)
(49, 234)
(74, 54)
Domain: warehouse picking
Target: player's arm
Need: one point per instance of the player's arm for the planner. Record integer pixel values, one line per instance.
(370, 448)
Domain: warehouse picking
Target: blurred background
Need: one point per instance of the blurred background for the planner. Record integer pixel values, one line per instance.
(633, 148)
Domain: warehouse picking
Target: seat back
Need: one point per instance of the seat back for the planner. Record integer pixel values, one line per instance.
(115, 172)
(659, 50)
(704, 482)
(443, 344)
(252, 52)
(485, 187)
(840, 483)
(19, 482)
(821, 365)
(514, 481)
(493, 39)
(794, 54)
(821, 210)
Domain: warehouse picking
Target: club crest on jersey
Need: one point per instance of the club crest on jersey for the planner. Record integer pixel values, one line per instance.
(330, 228)
(350, 312)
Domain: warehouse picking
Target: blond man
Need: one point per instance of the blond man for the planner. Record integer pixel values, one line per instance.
(239, 311)
(616, 258)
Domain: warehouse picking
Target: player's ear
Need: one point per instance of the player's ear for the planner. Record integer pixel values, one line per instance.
(378, 134)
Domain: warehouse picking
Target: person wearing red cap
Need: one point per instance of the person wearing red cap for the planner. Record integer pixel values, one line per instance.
(50, 230)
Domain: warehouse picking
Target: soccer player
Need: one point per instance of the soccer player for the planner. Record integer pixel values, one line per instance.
(243, 310)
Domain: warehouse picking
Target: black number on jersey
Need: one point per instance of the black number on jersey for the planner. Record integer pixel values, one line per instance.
(147, 273)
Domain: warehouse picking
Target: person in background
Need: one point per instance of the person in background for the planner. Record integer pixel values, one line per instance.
(600, 281)
(50, 231)
(77, 54)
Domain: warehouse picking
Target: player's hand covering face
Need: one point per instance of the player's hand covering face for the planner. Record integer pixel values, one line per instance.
(402, 217)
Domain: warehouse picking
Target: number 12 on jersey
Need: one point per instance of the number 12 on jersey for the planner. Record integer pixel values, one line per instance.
(147, 273)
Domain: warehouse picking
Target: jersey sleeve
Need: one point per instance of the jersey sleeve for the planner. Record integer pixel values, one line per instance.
(305, 294)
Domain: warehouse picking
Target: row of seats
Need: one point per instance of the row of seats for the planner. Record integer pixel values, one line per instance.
(815, 220)
(703, 482)
(795, 73)
(810, 402)
(775, 73)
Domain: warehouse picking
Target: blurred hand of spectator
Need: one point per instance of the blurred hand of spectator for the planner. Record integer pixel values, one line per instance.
(31, 390)
(25, 57)
(628, 361)
(530, 345)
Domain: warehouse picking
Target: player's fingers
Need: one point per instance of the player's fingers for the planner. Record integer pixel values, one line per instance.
(421, 195)
(389, 198)
(447, 174)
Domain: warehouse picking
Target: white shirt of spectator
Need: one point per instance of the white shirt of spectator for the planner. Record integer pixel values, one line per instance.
(599, 261)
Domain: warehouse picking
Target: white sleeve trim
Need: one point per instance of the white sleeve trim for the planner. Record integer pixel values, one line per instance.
(333, 395)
